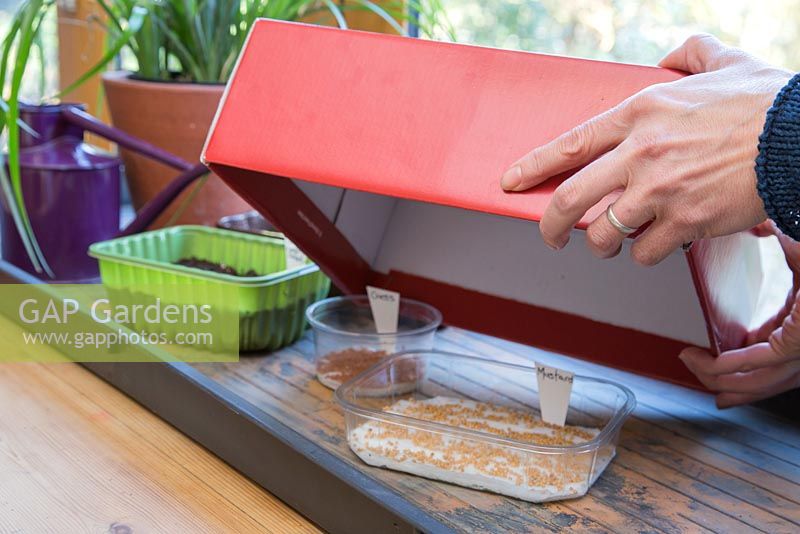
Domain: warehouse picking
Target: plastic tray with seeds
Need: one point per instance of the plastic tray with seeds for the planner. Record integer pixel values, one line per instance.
(475, 423)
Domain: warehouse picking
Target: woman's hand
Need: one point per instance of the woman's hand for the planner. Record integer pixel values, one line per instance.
(683, 152)
(770, 364)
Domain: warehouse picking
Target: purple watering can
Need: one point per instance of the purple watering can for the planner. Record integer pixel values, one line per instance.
(72, 191)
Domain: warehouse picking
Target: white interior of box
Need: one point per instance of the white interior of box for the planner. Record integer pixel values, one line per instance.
(506, 257)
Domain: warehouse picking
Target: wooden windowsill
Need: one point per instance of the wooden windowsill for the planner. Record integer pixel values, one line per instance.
(76, 455)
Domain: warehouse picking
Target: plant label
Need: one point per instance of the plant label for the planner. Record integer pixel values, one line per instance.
(385, 307)
(294, 256)
(555, 388)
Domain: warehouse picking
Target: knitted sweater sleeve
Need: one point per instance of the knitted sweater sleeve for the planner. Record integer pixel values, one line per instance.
(778, 161)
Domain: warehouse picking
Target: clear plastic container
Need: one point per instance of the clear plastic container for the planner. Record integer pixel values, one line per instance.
(346, 340)
(394, 419)
(249, 222)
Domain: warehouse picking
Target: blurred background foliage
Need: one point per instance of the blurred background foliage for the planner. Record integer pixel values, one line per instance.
(32, 88)
(620, 30)
(637, 31)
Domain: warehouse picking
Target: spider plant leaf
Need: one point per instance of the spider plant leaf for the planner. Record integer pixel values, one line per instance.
(117, 12)
(21, 123)
(135, 23)
(111, 15)
(202, 38)
(183, 20)
(8, 45)
(25, 24)
(364, 5)
(337, 13)
(149, 42)
(227, 67)
(198, 32)
(31, 23)
(38, 43)
(16, 216)
(187, 59)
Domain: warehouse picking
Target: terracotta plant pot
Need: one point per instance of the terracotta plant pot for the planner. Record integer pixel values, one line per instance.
(176, 118)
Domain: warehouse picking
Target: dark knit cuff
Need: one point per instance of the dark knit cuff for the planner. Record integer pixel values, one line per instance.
(778, 161)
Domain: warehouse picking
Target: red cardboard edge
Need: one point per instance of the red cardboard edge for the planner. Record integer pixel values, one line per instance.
(703, 297)
(290, 210)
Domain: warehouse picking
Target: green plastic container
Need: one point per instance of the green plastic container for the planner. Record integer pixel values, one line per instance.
(271, 306)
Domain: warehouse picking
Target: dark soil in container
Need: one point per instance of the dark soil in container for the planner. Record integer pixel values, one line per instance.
(259, 332)
(205, 265)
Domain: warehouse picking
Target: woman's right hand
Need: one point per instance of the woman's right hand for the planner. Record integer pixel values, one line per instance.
(683, 152)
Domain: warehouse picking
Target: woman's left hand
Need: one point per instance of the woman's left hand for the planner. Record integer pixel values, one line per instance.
(770, 364)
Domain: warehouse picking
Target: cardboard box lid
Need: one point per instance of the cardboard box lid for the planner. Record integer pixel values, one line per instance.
(347, 140)
(424, 120)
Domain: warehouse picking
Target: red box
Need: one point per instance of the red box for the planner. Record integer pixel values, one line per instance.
(381, 156)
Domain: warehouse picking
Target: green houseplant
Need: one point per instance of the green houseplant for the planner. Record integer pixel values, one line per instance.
(22, 43)
(183, 54)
